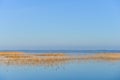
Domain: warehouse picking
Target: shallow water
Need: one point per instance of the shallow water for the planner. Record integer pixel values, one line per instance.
(84, 70)
(70, 70)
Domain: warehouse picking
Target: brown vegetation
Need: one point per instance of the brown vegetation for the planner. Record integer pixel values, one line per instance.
(19, 58)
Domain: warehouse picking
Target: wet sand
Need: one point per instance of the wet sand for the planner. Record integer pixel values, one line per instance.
(20, 58)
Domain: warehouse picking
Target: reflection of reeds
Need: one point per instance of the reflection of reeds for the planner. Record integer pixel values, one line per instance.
(19, 58)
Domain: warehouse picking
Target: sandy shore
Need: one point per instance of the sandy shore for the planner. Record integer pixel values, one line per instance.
(20, 58)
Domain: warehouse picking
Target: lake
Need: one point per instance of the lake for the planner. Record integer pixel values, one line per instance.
(69, 70)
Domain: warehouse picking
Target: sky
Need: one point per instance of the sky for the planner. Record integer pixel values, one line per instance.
(59, 24)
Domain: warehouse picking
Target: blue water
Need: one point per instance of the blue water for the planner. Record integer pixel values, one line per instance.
(66, 51)
(74, 70)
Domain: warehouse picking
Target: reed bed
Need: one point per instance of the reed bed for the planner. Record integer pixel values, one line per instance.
(20, 58)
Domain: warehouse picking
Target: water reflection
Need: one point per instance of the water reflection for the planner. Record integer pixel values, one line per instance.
(59, 66)
(18, 58)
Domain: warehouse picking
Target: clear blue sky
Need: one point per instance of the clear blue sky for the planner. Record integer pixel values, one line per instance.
(59, 24)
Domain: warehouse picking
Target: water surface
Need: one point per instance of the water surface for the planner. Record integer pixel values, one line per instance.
(67, 70)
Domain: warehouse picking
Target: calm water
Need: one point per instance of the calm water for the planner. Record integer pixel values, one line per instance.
(66, 51)
(72, 70)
